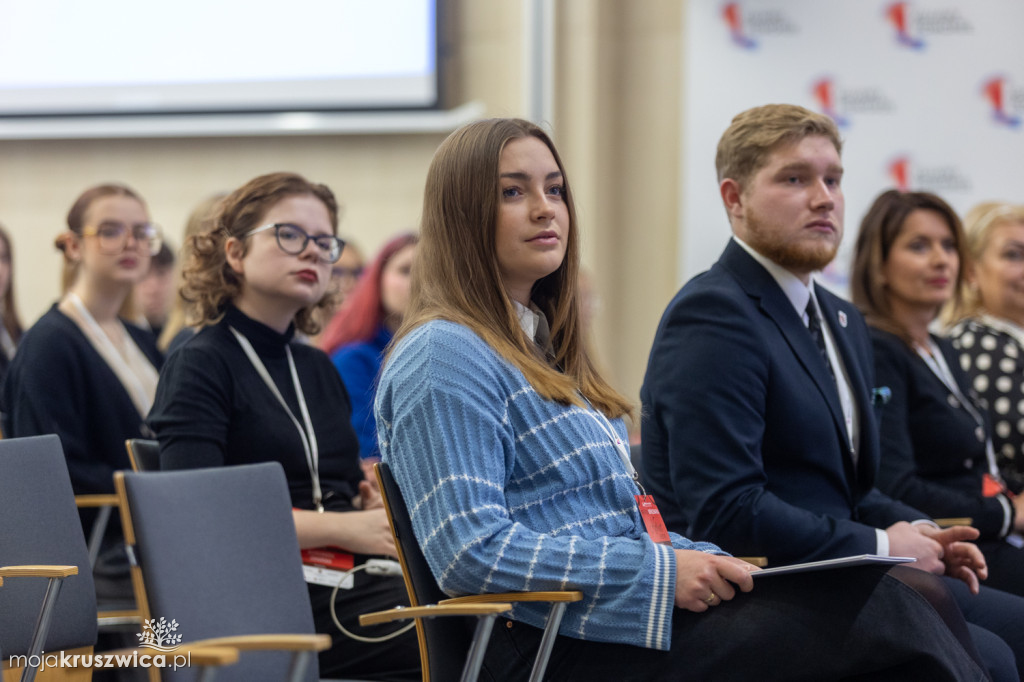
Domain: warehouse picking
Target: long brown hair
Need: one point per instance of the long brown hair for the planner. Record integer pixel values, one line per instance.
(199, 220)
(457, 277)
(209, 282)
(878, 231)
(11, 318)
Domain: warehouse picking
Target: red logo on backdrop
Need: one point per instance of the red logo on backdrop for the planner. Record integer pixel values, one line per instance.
(841, 103)
(928, 22)
(733, 15)
(906, 175)
(899, 172)
(896, 13)
(824, 92)
(996, 91)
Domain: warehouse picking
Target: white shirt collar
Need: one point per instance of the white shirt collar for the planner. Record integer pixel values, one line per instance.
(796, 291)
(529, 318)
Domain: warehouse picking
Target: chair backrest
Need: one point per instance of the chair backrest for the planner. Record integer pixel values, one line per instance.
(443, 641)
(39, 524)
(216, 552)
(143, 454)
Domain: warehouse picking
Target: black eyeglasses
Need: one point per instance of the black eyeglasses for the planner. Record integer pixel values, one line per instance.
(292, 239)
(113, 236)
(353, 273)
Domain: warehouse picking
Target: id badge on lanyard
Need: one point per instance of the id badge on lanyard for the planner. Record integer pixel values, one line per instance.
(645, 504)
(306, 433)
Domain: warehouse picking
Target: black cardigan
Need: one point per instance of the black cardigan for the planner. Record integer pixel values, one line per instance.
(933, 452)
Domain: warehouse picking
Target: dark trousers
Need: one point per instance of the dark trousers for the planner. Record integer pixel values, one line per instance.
(1005, 566)
(1001, 613)
(397, 659)
(852, 624)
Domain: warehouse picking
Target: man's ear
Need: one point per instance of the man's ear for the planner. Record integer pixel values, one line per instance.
(732, 197)
(234, 252)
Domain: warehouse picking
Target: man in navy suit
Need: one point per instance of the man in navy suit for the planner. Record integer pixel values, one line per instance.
(758, 431)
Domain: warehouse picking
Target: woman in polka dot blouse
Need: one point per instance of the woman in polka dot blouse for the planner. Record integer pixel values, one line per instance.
(990, 332)
(937, 454)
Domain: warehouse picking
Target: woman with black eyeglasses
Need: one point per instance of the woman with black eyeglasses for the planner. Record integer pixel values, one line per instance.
(84, 373)
(242, 391)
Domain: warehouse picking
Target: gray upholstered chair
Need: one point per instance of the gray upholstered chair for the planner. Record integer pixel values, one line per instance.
(216, 550)
(47, 598)
(39, 525)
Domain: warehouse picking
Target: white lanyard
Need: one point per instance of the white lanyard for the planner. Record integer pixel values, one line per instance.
(937, 364)
(123, 371)
(620, 446)
(307, 435)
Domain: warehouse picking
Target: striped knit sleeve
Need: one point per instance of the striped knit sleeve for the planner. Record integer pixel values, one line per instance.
(442, 430)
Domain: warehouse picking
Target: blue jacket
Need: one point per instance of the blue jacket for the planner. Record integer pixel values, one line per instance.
(744, 441)
(359, 366)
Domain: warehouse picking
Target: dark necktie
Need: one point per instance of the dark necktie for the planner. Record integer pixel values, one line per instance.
(814, 326)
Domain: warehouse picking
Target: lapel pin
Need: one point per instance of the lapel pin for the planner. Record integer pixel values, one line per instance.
(842, 319)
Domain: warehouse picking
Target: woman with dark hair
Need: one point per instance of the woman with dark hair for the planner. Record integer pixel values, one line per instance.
(84, 373)
(936, 444)
(510, 450)
(358, 334)
(989, 327)
(242, 390)
(10, 322)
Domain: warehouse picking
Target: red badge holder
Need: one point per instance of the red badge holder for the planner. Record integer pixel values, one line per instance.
(652, 519)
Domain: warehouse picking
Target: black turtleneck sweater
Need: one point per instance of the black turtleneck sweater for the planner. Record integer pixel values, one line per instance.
(213, 409)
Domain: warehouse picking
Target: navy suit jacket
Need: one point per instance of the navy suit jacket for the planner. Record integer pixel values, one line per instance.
(744, 441)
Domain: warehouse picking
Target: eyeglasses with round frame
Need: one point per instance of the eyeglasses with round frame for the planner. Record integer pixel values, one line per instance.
(292, 239)
(113, 236)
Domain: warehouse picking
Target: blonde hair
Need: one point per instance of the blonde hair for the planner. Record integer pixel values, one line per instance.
(209, 282)
(978, 225)
(457, 277)
(754, 134)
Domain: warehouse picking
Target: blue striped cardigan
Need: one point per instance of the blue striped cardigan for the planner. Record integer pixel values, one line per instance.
(509, 491)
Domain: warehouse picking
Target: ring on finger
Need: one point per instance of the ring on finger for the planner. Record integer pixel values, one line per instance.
(710, 601)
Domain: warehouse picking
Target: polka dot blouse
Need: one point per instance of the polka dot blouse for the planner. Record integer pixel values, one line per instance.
(992, 353)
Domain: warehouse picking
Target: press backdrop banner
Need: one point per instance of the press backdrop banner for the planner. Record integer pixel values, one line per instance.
(928, 95)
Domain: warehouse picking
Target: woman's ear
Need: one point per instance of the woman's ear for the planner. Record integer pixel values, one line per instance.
(970, 274)
(70, 244)
(234, 252)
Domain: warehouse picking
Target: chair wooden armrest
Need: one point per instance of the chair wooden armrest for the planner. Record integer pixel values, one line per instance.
(432, 611)
(37, 571)
(553, 597)
(283, 642)
(954, 521)
(95, 500)
(759, 561)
